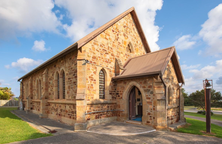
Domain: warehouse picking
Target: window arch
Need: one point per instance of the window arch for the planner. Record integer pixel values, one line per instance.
(63, 85)
(101, 84)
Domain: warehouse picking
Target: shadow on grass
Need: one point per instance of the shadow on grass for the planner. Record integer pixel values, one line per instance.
(5, 113)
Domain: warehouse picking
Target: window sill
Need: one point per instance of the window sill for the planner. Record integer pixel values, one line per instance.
(100, 101)
(172, 106)
(36, 100)
(62, 101)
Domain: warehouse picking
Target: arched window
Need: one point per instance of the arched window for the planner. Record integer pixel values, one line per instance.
(27, 90)
(37, 89)
(63, 85)
(40, 89)
(169, 95)
(57, 85)
(101, 84)
(130, 48)
(117, 69)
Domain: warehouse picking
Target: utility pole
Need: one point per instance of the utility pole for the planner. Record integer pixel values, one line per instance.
(207, 85)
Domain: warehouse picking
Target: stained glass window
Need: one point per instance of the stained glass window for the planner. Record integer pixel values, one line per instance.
(101, 85)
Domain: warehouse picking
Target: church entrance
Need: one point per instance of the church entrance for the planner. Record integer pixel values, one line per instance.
(135, 105)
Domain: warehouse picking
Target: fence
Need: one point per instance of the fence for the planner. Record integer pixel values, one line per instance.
(9, 103)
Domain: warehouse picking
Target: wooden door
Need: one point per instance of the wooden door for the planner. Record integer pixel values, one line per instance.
(132, 104)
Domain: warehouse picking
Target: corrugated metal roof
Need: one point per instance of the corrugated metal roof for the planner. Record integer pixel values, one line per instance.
(95, 33)
(151, 64)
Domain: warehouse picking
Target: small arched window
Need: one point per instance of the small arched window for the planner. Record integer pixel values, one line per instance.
(130, 48)
(169, 95)
(57, 85)
(117, 68)
(101, 84)
(40, 89)
(37, 89)
(63, 85)
(27, 90)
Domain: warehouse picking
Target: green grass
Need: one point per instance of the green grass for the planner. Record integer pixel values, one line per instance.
(198, 127)
(14, 129)
(216, 109)
(215, 116)
(188, 107)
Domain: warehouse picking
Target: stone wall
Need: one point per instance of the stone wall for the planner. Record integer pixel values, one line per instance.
(171, 81)
(105, 48)
(101, 52)
(120, 92)
(36, 108)
(65, 113)
(47, 76)
(100, 111)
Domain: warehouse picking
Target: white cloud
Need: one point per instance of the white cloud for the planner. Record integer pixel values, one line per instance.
(207, 71)
(2, 82)
(88, 15)
(39, 45)
(25, 64)
(185, 67)
(211, 31)
(195, 81)
(7, 66)
(25, 17)
(184, 42)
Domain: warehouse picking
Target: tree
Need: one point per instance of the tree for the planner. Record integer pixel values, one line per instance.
(187, 101)
(198, 98)
(5, 93)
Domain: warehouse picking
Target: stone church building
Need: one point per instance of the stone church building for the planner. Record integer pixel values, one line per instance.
(109, 75)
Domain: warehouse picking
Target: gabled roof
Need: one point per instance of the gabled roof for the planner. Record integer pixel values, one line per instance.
(92, 35)
(153, 63)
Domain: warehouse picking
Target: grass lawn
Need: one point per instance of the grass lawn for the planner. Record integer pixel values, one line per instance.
(188, 107)
(14, 129)
(199, 127)
(216, 109)
(215, 116)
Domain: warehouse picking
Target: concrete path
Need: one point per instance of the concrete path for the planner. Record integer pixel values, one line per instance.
(65, 134)
(216, 122)
(43, 124)
(158, 137)
(120, 129)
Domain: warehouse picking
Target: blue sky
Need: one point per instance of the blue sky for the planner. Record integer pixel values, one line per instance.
(33, 31)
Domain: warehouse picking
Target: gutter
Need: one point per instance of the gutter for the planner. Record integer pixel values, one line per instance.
(161, 77)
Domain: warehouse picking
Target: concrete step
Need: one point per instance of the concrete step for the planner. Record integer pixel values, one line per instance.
(177, 125)
(134, 122)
